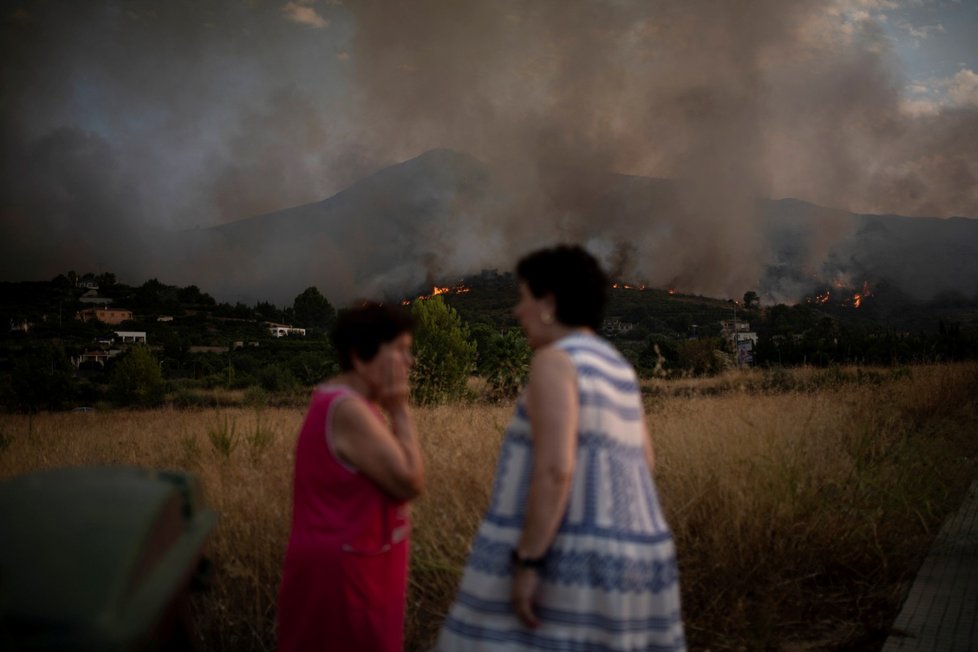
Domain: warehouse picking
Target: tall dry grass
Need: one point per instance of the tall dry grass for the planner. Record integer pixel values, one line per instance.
(802, 502)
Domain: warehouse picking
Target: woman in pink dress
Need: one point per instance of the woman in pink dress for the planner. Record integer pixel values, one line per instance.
(357, 463)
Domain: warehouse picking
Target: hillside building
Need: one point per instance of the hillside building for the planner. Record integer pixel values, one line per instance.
(741, 338)
(96, 356)
(92, 296)
(110, 316)
(131, 337)
(281, 330)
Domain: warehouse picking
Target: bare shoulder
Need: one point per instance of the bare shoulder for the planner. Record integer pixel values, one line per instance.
(353, 413)
(551, 359)
(550, 369)
(551, 398)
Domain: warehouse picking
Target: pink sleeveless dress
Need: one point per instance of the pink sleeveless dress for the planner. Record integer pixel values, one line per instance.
(344, 579)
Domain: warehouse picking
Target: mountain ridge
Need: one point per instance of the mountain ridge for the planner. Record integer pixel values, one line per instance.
(445, 214)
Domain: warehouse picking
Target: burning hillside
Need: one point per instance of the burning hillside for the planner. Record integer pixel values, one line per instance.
(436, 290)
(841, 294)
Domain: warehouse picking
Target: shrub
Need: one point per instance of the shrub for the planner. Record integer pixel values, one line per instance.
(259, 439)
(444, 356)
(136, 379)
(276, 378)
(42, 378)
(223, 436)
(701, 356)
(505, 363)
(309, 367)
(184, 397)
(256, 397)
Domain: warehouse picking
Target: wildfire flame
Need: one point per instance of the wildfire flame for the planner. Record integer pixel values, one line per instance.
(855, 300)
(859, 297)
(627, 286)
(458, 288)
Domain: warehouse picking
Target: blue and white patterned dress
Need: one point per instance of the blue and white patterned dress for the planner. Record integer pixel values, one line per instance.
(610, 581)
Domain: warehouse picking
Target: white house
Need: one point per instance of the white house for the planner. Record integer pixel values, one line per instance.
(741, 338)
(132, 337)
(281, 330)
(97, 356)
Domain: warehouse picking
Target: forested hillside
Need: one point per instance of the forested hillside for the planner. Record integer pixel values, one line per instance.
(50, 358)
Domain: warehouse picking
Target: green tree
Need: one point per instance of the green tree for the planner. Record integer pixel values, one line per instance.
(751, 300)
(699, 356)
(42, 379)
(175, 348)
(136, 378)
(313, 310)
(192, 295)
(310, 367)
(444, 355)
(505, 362)
(267, 311)
(276, 378)
(482, 334)
(659, 356)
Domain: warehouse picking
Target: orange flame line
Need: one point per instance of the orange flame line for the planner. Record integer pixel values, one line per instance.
(460, 288)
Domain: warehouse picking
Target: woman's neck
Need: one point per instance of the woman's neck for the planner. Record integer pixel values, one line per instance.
(559, 332)
(354, 381)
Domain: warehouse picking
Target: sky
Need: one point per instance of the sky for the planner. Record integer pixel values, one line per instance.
(123, 119)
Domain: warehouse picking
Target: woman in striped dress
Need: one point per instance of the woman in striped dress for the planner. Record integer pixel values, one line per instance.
(574, 552)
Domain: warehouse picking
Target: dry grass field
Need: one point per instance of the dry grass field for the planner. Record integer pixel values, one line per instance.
(802, 501)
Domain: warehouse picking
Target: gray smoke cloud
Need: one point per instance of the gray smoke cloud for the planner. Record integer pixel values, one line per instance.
(123, 120)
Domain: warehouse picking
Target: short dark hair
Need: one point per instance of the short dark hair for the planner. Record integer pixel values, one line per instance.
(363, 328)
(576, 280)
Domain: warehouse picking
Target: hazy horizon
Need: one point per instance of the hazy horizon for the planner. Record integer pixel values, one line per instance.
(125, 121)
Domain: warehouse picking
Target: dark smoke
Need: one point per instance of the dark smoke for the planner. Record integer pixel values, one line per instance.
(122, 120)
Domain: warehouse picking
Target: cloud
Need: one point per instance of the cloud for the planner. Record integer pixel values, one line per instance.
(928, 97)
(919, 32)
(962, 89)
(302, 12)
(874, 5)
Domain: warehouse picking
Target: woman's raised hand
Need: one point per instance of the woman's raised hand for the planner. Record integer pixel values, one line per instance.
(395, 385)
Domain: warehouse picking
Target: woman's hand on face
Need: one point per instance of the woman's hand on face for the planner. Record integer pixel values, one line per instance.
(525, 581)
(395, 385)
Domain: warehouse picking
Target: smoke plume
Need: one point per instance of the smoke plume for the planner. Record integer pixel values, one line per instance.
(124, 120)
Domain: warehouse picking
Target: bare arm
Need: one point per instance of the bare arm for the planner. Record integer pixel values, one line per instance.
(552, 404)
(391, 457)
(647, 444)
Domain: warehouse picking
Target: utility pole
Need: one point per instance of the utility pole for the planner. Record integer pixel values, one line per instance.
(736, 341)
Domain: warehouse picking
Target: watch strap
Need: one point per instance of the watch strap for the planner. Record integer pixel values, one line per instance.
(527, 562)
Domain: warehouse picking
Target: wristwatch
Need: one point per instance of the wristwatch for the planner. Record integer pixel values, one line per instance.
(527, 562)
